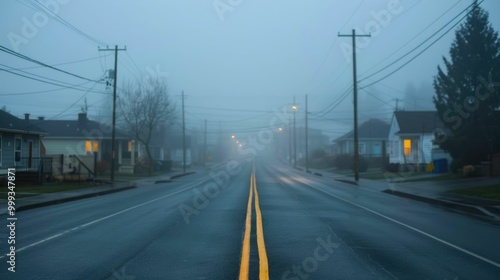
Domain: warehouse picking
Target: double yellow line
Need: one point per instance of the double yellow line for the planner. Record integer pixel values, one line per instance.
(245, 255)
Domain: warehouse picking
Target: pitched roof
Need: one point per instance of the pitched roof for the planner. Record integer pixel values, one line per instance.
(78, 129)
(417, 121)
(11, 123)
(371, 129)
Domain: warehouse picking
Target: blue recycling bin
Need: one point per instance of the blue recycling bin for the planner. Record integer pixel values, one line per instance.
(440, 165)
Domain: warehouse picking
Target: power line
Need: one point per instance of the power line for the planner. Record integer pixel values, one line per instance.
(334, 43)
(62, 63)
(14, 53)
(421, 52)
(409, 41)
(39, 6)
(76, 87)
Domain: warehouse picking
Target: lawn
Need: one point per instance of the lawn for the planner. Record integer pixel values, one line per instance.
(491, 192)
(443, 177)
(389, 175)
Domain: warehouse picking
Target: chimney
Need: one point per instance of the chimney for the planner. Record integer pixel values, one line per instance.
(82, 119)
(41, 118)
(27, 116)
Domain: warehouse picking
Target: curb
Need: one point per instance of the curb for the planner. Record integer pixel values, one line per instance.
(182, 175)
(346, 181)
(453, 205)
(68, 199)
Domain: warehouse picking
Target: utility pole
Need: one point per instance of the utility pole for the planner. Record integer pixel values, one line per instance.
(113, 127)
(397, 104)
(183, 137)
(355, 93)
(294, 107)
(205, 146)
(307, 140)
(290, 141)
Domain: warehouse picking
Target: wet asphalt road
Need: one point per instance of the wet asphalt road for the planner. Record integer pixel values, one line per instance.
(194, 228)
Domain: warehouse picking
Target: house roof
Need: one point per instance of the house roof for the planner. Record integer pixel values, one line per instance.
(11, 123)
(77, 129)
(417, 121)
(371, 129)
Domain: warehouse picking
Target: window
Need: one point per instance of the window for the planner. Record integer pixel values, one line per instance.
(17, 150)
(361, 148)
(407, 147)
(91, 146)
(377, 149)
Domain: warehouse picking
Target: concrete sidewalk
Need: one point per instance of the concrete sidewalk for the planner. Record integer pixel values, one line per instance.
(71, 195)
(433, 192)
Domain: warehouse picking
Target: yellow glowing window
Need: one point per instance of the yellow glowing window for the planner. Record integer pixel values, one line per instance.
(91, 146)
(130, 146)
(407, 146)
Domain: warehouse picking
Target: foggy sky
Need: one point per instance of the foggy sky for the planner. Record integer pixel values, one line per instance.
(235, 65)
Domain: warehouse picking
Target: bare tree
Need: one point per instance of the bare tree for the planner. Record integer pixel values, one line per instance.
(144, 106)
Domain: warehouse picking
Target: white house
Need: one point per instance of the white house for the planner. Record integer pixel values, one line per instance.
(411, 137)
(84, 142)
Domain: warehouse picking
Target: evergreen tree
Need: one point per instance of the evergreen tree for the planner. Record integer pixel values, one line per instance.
(467, 93)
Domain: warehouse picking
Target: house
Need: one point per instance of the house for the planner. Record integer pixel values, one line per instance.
(19, 143)
(411, 137)
(372, 139)
(175, 147)
(84, 145)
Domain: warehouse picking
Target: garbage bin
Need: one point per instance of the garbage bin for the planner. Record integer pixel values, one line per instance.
(440, 165)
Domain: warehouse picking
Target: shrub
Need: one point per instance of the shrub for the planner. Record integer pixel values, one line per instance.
(362, 164)
(469, 171)
(102, 167)
(343, 161)
(455, 165)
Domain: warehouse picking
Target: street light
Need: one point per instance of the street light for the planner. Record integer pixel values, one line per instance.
(294, 107)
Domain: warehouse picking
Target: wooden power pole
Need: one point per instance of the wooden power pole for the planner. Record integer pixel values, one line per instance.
(355, 93)
(113, 127)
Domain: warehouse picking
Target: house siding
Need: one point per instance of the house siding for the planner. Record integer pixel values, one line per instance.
(394, 143)
(8, 152)
(427, 147)
(64, 146)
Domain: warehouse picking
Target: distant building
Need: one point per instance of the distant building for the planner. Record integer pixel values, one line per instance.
(285, 146)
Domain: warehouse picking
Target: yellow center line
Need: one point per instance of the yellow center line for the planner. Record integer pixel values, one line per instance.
(245, 255)
(263, 264)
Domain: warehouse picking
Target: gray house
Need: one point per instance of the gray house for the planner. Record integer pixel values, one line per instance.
(19, 143)
(372, 136)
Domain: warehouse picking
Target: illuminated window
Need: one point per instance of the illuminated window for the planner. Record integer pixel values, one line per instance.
(407, 146)
(88, 146)
(130, 146)
(91, 146)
